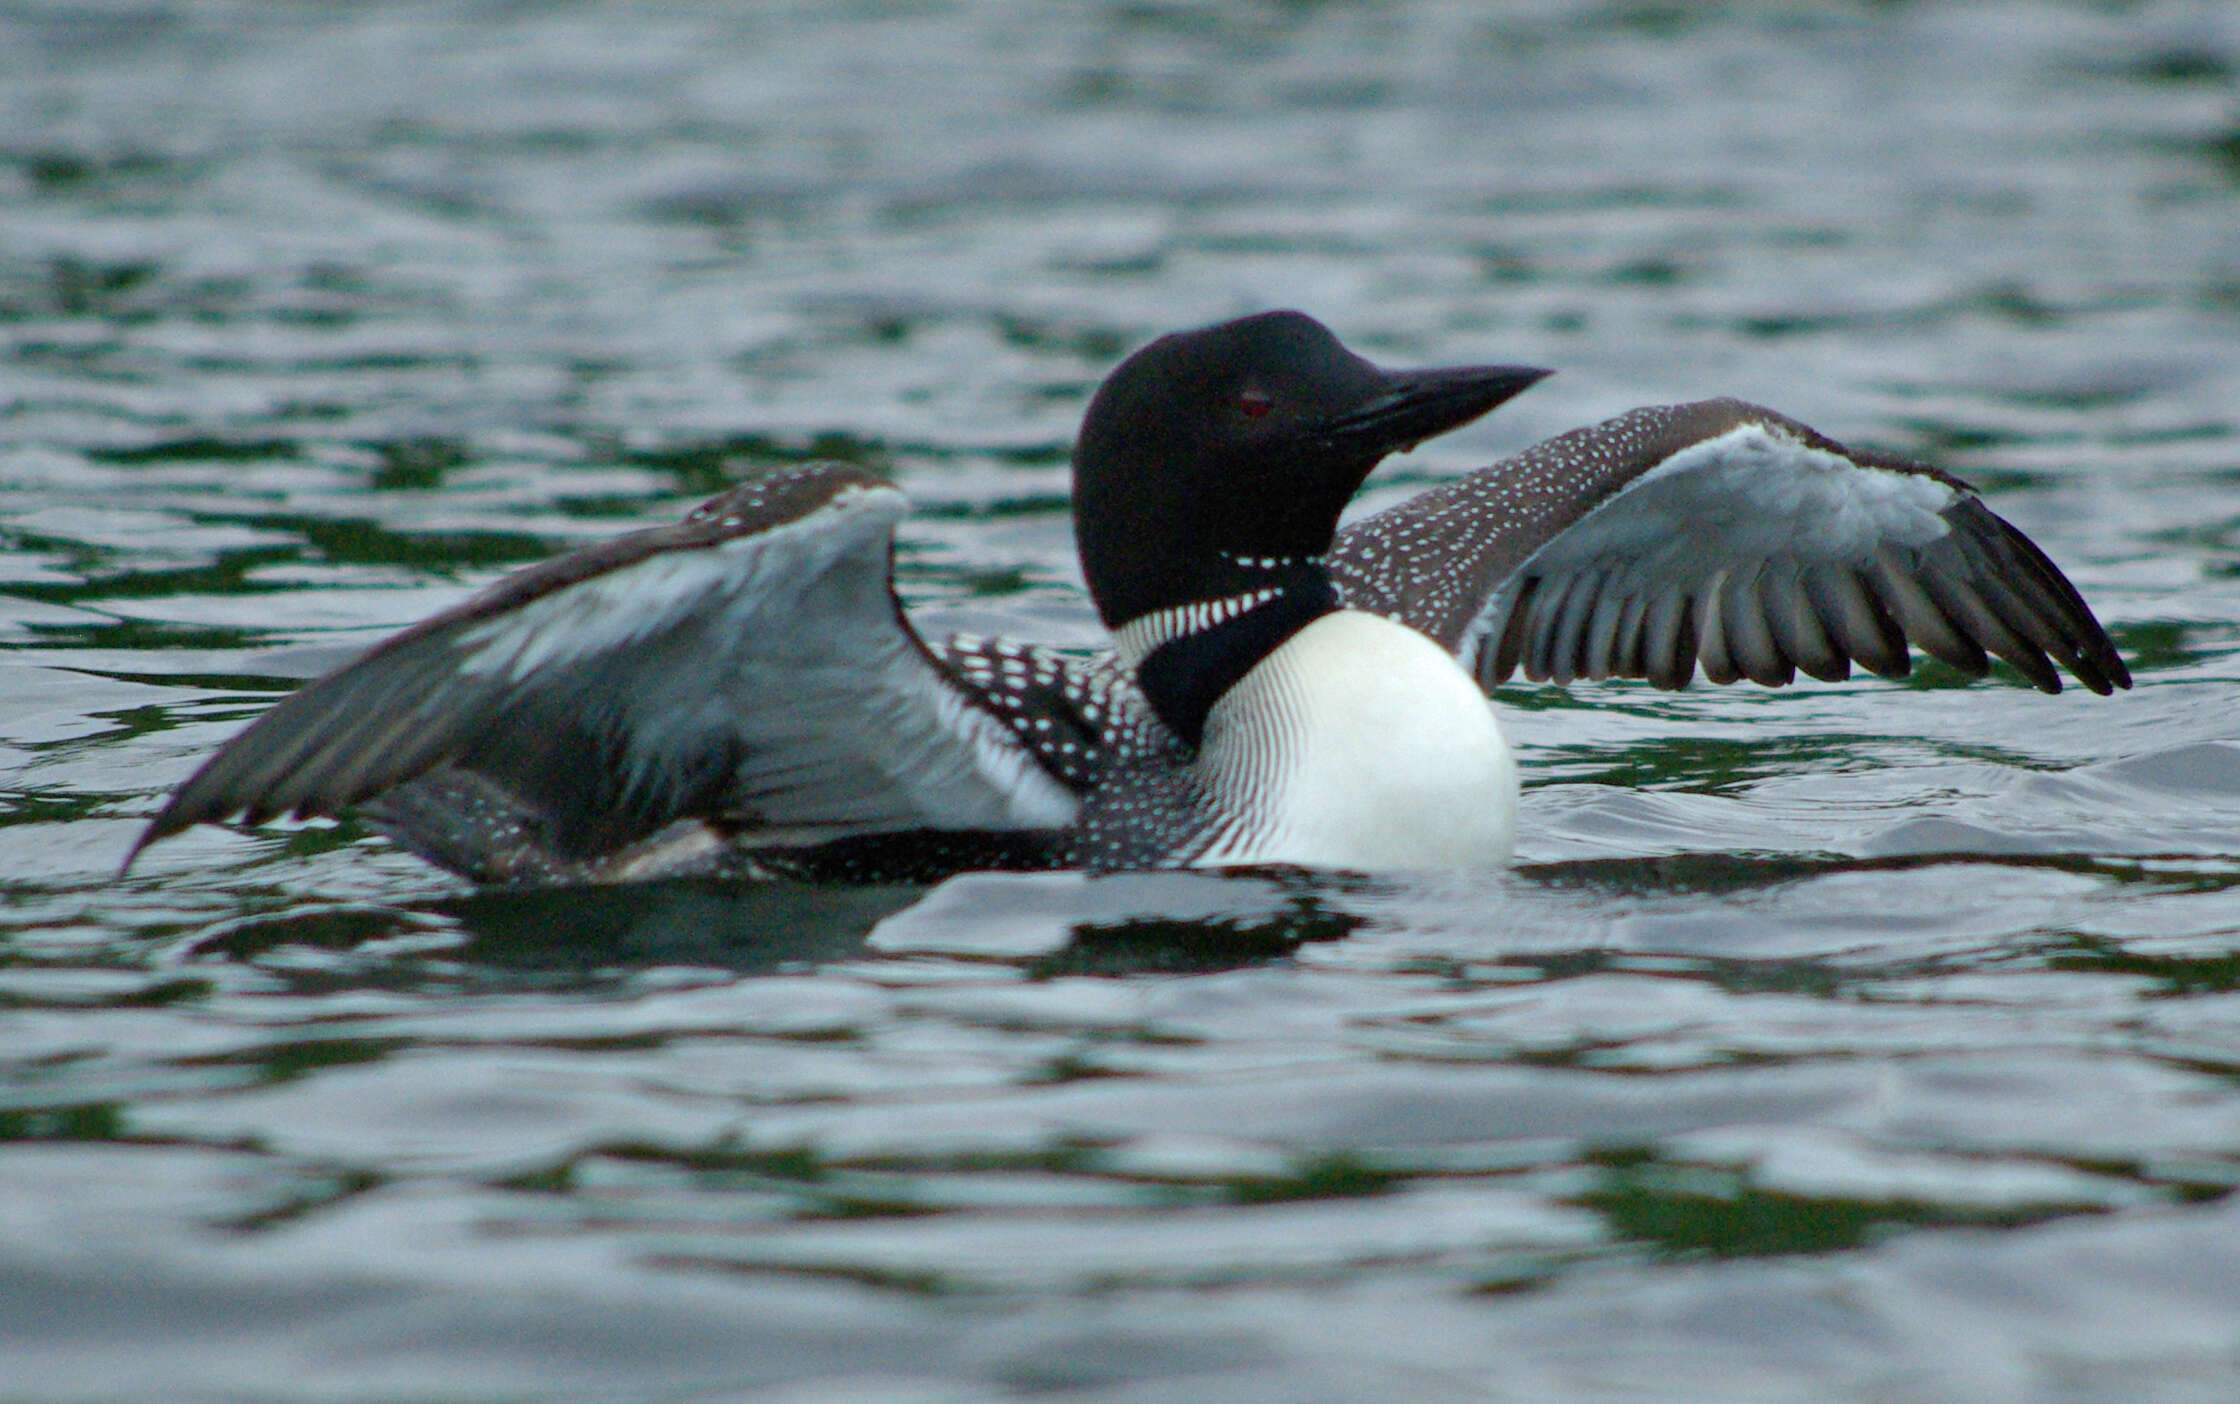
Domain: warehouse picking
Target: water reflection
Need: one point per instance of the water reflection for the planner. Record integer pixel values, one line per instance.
(744, 929)
(1071, 923)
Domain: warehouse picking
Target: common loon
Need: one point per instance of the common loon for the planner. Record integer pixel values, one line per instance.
(741, 693)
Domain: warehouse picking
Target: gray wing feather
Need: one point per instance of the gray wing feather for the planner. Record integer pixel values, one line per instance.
(1721, 535)
(749, 664)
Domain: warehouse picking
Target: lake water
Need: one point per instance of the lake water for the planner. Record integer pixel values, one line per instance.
(1876, 1041)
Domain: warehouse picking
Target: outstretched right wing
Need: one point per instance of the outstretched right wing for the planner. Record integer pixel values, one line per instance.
(749, 665)
(1724, 533)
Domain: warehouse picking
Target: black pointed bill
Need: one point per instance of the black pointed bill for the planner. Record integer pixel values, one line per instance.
(1415, 405)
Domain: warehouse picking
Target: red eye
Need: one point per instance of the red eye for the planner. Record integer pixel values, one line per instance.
(1254, 403)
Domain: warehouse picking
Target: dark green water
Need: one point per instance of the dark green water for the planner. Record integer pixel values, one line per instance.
(1860, 1042)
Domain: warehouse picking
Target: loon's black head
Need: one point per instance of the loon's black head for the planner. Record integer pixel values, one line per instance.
(1243, 442)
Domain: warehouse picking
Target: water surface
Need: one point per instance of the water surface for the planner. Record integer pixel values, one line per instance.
(1862, 1041)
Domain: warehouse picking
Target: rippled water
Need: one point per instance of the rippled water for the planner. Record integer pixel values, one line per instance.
(1873, 1041)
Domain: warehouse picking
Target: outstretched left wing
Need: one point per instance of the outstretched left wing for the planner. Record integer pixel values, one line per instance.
(1724, 533)
(749, 666)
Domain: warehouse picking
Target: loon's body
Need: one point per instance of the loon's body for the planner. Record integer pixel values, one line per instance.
(742, 693)
(1356, 744)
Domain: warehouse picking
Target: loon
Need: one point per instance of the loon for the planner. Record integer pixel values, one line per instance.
(742, 694)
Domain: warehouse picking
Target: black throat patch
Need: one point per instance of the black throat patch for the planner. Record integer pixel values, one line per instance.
(1184, 676)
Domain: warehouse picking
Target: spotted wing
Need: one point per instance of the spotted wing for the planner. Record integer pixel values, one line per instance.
(749, 665)
(1079, 715)
(1721, 533)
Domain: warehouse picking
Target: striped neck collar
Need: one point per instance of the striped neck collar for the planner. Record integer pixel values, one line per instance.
(1138, 639)
(1186, 656)
(1262, 579)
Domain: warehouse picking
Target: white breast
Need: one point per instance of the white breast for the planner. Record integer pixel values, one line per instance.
(1358, 744)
